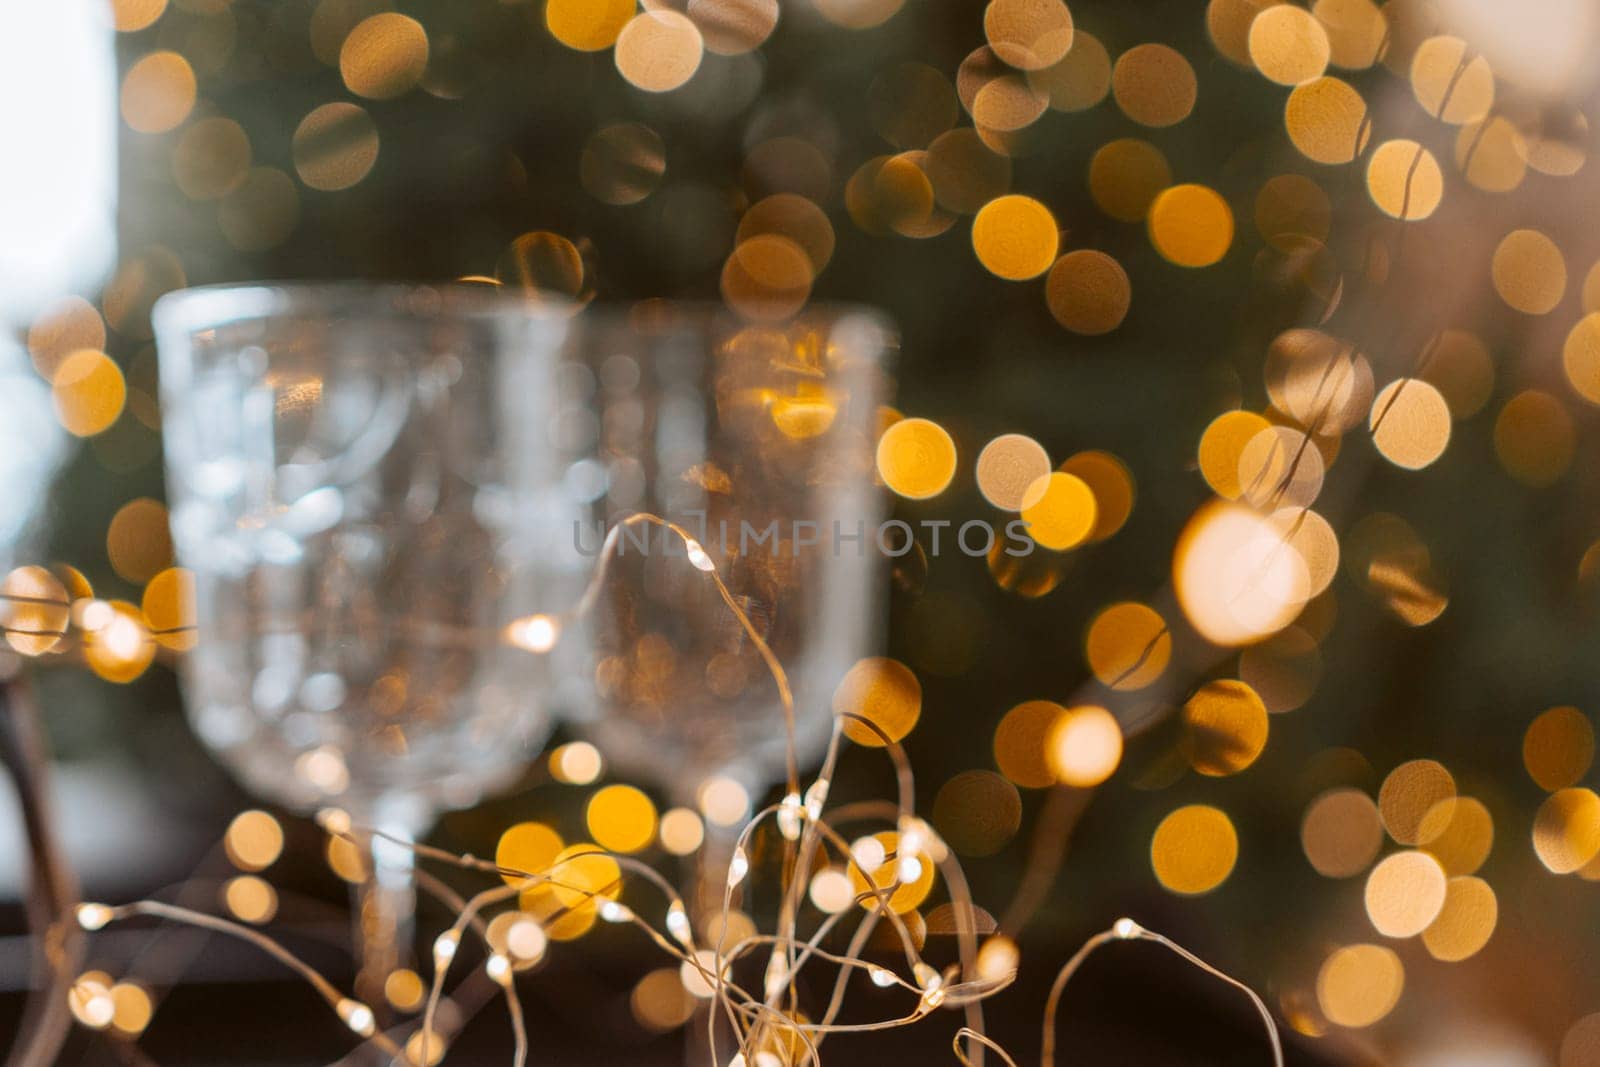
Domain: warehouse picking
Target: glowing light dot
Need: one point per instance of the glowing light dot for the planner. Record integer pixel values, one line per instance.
(254, 840)
(357, 1016)
(1405, 893)
(536, 633)
(1341, 833)
(723, 801)
(659, 50)
(577, 763)
(1085, 746)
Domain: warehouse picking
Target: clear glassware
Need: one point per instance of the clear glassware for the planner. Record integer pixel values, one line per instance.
(758, 440)
(361, 486)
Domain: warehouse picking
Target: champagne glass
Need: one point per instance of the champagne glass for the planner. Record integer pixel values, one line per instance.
(757, 440)
(361, 489)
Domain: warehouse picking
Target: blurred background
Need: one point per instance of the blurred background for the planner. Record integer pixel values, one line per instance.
(1140, 236)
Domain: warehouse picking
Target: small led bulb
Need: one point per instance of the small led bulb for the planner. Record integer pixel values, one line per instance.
(816, 797)
(738, 867)
(1126, 929)
(444, 947)
(93, 916)
(678, 923)
(789, 817)
(881, 977)
(356, 1015)
(498, 967)
(612, 912)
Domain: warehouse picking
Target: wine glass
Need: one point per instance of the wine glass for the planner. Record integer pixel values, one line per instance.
(757, 441)
(361, 488)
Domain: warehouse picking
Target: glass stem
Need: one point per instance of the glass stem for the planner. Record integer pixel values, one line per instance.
(386, 902)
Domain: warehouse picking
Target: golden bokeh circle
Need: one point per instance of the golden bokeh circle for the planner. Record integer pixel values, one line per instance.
(1558, 748)
(1410, 423)
(1287, 45)
(1341, 833)
(1405, 893)
(131, 16)
(1529, 272)
(1191, 225)
(1125, 177)
(1028, 34)
(1128, 646)
(916, 458)
(1088, 292)
(1407, 795)
(1580, 357)
(767, 277)
(1015, 237)
(977, 812)
(587, 25)
(885, 693)
(622, 163)
(211, 158)
(1225, 728)
(1112, 484)
(1327, 121)
(158, 92)
(621, 818)
(1221, 446)
(169, 608)
(1080, 80)
(1448, 84)
(1566, 830)
(1403, 180)
(34, 610)
(89, 392)
(1194, 850)
(1534, 438)
(1358, 985)
(253, 841)
(1459, 833)
(1007, 467)
(335, 146)
(384, 56)
(1059, 510)
(734, 27)
(659, 50)
(1153, 85)
(1020, 743)
(1465, 923)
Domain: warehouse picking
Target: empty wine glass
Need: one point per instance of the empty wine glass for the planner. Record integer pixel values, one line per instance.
(757, 440)
(361, 488)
